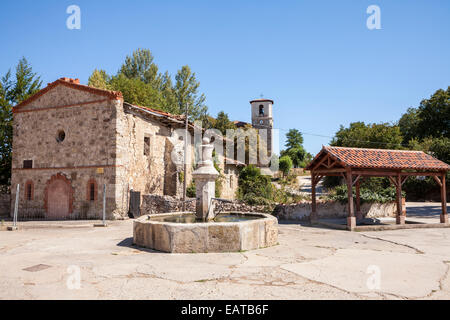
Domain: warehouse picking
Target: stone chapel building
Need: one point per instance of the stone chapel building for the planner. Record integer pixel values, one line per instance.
(70, 139)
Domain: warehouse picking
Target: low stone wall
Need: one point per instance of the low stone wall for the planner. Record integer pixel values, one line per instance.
(5, 204)
(154, 204)
(329, 209)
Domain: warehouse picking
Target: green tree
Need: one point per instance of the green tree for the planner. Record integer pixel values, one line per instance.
(437, 147)
(434, 114)
(294, 139)
(186, 93)
(12, 92)
(285, 165)
(254, 188)
(294, 148)
(135, 91)
(223, 123)
(140, 65)
(99, 79)
(361, 135)
(409, 124)
(141, 83)
(297, 154)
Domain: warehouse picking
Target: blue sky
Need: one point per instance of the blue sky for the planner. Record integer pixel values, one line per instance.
(316, 59)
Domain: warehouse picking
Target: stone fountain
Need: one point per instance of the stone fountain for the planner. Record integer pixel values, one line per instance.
(205, 183)
(203, 231)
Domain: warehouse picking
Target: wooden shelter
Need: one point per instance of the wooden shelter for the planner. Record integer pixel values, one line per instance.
(355, 163)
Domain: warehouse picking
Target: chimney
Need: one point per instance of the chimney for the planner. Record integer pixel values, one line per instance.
(77, 81)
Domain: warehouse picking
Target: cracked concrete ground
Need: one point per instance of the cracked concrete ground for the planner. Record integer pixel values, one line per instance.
(308, 263)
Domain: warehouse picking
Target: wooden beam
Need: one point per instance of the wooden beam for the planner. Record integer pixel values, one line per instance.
(320, 162)
(438, 181)
(326, 171)
(351, 220)
(400, 219)
(393, 181)
(332, 164)
(313, 215)
(374, 173)
(318, 179)
(356, 179)
(425, 174)
(358, 200)
(404, 179)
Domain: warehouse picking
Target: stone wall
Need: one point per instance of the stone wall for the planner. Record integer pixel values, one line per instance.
(152, 172)
(88, 151)
(229, 180)
(154, 204)
(302, 211)
(5, 204)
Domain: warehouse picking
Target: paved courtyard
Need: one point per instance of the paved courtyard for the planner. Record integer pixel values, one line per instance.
(308, 263)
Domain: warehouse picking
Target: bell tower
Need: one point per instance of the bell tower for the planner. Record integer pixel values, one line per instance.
(262, 119)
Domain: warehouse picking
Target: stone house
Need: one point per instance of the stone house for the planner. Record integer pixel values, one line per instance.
(71, 139)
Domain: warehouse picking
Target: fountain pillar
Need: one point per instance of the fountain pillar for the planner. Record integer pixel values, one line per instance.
(205, 178)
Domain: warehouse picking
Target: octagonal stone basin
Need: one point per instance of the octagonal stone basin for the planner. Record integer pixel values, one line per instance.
(248, 231)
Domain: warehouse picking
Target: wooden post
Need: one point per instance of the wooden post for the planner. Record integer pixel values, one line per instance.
(358, 201)
(444, 215)
(351, 220)
(313, 215)
(400, 218)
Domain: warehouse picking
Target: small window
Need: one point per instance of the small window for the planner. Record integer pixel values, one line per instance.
(91, 194)
(146, 146)
(27, 164)
(60, 136)
(92, 191)
(261, 110)
(261, 121)
(29, 190)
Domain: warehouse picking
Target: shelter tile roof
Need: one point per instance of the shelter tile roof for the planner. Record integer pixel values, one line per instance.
(382, 159)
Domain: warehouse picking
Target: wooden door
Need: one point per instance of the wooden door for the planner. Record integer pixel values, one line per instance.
(58, 200)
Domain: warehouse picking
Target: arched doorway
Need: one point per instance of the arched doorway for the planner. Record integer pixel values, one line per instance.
(58, 197)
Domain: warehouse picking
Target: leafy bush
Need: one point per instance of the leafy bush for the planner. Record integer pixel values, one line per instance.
(190, 190)
(367, 195)
(285, 197)
(285, 165)
(254, 188)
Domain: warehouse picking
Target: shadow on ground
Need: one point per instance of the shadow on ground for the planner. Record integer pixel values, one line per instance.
(128, 243)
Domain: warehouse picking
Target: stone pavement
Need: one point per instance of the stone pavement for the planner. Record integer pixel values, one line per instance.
(308, 263)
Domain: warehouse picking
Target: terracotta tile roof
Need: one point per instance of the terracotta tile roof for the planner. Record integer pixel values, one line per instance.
(262, 100)
(72, 83)
(383, 159)
(240, 124)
